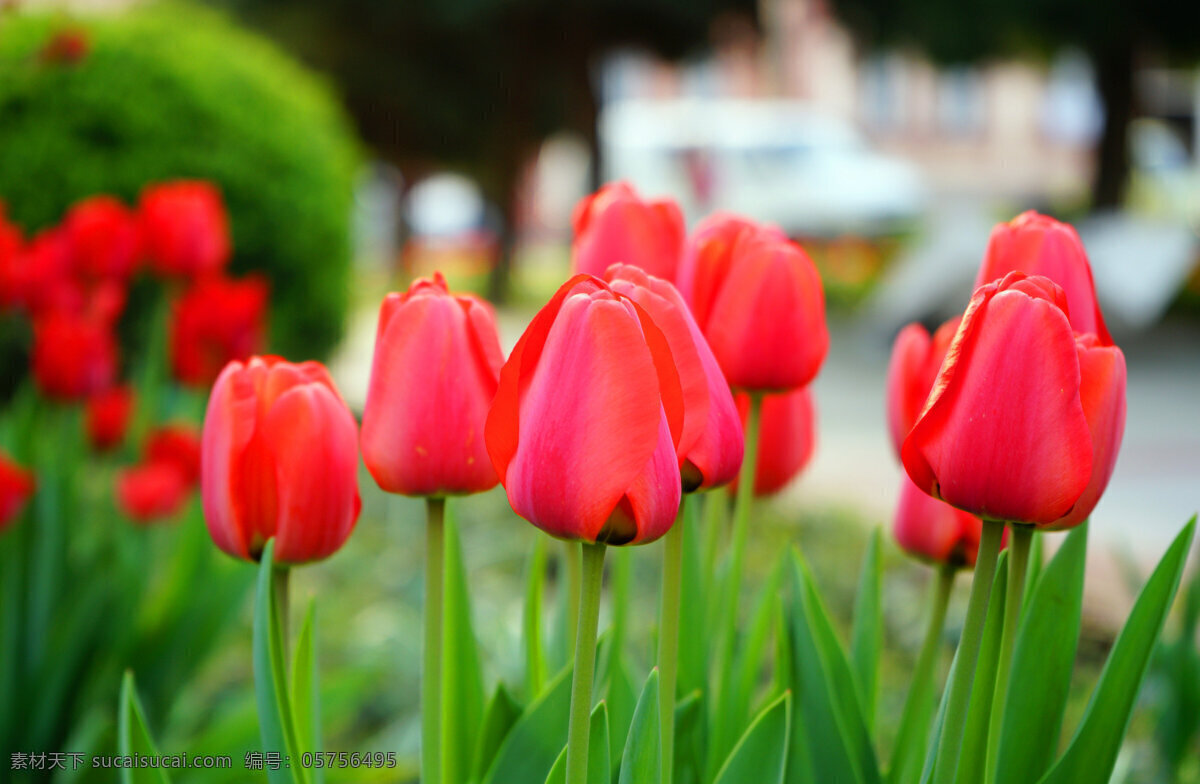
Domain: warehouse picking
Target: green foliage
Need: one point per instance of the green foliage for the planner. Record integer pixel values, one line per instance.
(169, 91)
(134, 736)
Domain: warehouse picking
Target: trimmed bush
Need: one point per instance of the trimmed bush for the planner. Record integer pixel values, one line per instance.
(168, 91)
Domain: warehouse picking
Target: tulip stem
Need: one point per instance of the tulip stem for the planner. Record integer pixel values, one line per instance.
(959, 695)
(279, 590)
(668, 636)
(431, 662)
(585, 663)
(1019, 541)
(716, 506)
(912, 736)
(574, 570)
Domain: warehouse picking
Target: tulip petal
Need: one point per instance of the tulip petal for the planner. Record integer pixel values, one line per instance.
(228, 427)
(654, 493)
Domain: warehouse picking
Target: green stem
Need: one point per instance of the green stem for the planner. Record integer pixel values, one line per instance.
(714, 518)
(1019, 540)
(585, 663)
(668, 637)
(431, 669)
(574, 569)
(954, 724)
(912, 735)
(279, 588)
(534, 676)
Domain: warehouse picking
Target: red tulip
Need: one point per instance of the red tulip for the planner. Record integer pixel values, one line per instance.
(11, 243)
(587, 416)
(759, 302)
(1039, 245)
(217, 320)
(73, 357)
(279, 458)
(787, 438)
(437, 361)
(616, 226)
(916, 359)
(108, 417)
(932, 530)
(1007, 433)
(711, 443)
(151, 491)
(103, 238)
(177, 445)
(186, 228)
(16, 485)
(37, 277)
(712, 239)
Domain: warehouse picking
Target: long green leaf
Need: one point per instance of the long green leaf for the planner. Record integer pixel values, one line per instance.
(133, 737)
(866, 639)
(531, 621)
(500, 715)
(689, 739)
(462, 677)
(306, 698)
(1041, 669)
(761, 754)
(270, 676)
(1092, 753)
(641, 762)
(599, 766)
(530, 748)
(973, 756)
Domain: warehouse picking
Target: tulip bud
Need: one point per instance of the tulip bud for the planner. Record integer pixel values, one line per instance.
(279, 458)
(1039, 245)
(1007, 431)
(186, 228)
(73, 357)
(616, 226)
(711, 443)
(758, 300)
(787, 438)
(16, 486)
(932, 530)
(151, 491)
(103, 237)
(217, 320)
(108, 417)
(916, 359)
(437, 361)
(587, 417)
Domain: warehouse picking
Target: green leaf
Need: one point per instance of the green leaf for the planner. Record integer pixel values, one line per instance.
(133, 737)
(558, 773)
(829, 732)
(535, 589)
(641, 762)
(761, 753)
(1043, 659)
(599, 768)
(1033, 571)
(462, 677)
(620, 693)
(1092, 753)
(866, 638)
(689, 738)
(973, 756)
(500, 715)
(530, 748)
(306, 699)
(270, 676)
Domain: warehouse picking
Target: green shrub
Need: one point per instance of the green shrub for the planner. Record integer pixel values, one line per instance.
(168, 91)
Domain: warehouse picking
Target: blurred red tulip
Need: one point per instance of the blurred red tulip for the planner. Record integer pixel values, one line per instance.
(279, 458)
(102, 234)
(758, 300)
(217, 320)
(616, 226)
(587, 416)
(73, 357)
(67, 47)
(437, 361)
(712, 239)
(787, 438)
(1039, 245)
(177, 445)
(916, 359)
(108, 417)
(932, 530)
(16, 486)
(151, 491)
(186, 228)
(37, 276)
(1008, 431)
(711, 443)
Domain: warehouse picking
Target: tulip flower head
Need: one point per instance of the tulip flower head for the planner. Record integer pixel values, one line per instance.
(73, 357)
(151, 491)
(616, 226)
(436, 365)
(177, 445)
(217, 320)
(587, 418)
(104, 240)
(916, 359)
(279, 458)
(108, 417)
(1025, 418)
(711, 443)
(758, 300)
(186, 228)
(787, 440)
(933, 530)
(16, 486)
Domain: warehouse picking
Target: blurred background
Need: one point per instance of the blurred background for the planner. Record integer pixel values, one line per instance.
(361, 143)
